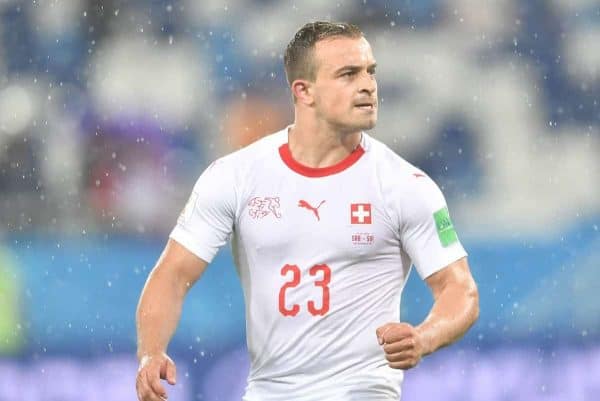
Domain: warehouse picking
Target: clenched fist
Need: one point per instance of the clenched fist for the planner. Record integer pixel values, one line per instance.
(402, 344)
(152, 369)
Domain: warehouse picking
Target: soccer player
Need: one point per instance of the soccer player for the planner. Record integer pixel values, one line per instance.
(325, 222)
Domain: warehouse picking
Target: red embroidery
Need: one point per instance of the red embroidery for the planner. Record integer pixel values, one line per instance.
(260, 207)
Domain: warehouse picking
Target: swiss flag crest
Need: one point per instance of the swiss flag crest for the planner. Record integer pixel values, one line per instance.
(360, 213)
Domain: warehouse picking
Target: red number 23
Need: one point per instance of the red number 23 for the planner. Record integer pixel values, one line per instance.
(295, 280)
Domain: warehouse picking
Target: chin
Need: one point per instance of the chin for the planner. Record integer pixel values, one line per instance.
(357, 125)
(371, 124)
(367, 125)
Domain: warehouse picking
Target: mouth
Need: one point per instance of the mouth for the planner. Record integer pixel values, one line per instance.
(366, 106)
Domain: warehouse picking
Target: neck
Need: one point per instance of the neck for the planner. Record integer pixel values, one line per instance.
(316, 144)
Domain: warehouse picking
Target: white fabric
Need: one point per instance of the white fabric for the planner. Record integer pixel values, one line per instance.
(253, 196)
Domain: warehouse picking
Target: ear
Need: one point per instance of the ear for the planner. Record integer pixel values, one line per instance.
(302, 90)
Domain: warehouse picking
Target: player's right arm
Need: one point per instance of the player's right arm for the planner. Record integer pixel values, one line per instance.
(203, 227)
(158, 314)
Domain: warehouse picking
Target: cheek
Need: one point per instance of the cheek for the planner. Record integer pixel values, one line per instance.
(337, 109)
(334, 100)
(339, 99)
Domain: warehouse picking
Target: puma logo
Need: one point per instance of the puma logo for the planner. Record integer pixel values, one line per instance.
(315, 210)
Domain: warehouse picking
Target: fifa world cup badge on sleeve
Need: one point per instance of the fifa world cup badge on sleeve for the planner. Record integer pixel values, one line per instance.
(444, 227)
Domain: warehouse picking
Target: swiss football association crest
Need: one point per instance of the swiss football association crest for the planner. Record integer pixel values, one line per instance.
(360, 213)
(259, 207)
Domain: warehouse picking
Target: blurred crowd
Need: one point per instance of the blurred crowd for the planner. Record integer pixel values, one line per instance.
(109, 110)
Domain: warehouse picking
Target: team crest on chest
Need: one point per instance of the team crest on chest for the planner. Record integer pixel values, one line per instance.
(259, 207)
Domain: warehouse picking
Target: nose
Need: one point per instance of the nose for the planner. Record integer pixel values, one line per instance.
(368, 84)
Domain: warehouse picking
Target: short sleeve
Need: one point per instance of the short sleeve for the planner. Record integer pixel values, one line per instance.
(206, 222)
(426, 230)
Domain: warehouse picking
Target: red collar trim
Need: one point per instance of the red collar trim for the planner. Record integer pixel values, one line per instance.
(286, 156)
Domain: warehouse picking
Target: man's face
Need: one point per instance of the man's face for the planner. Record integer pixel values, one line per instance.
(345, 89)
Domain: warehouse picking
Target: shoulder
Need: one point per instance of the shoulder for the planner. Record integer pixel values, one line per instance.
(391, 167)
(257, 152)
(242, 161)
(227, 171)
(406, 189)
(224, 180)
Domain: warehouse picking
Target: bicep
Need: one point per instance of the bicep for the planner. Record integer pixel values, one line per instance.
(457, 274)
(180, 265)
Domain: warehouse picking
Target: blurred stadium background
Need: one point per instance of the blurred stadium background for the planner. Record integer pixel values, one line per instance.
(109, 110)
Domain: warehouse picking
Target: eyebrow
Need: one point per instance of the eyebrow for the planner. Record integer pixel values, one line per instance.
(355, 68)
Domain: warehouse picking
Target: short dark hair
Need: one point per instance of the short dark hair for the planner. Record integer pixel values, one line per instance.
(298, 58)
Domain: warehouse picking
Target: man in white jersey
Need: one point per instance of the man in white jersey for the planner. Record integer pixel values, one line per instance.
(325, 222)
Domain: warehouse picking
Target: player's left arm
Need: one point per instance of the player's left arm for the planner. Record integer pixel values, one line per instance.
(455, 309)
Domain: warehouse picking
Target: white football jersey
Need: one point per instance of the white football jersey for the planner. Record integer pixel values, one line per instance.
(323, 255)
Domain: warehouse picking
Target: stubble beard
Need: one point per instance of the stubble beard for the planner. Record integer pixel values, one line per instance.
(366, 124)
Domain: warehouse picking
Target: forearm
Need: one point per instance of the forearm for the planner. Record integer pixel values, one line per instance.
(158, 313)
(454, 311)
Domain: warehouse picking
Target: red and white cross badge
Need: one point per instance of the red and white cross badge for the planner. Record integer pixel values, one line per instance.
(360, 213)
